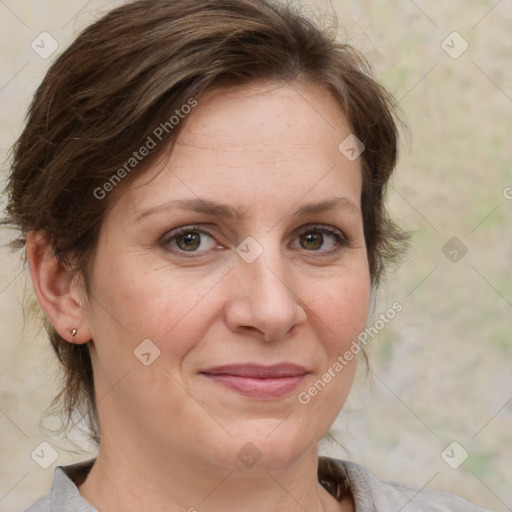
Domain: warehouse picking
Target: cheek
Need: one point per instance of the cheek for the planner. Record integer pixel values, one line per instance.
(342, 309)
(340, 314)
(132, 304)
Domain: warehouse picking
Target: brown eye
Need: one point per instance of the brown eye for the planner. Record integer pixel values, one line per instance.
(312, 241)
(321, 239)
(188, 239)
(188, 242)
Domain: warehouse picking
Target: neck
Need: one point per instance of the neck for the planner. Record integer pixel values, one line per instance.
(131, 481)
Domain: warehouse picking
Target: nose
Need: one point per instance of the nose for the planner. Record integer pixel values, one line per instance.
(263, 300)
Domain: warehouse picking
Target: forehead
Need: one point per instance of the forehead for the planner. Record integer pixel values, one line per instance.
(264, 118)
(259, 139)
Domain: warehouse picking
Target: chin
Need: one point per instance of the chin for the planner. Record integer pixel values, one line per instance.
(262, 448)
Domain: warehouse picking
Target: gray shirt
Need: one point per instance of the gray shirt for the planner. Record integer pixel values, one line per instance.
(370, 494)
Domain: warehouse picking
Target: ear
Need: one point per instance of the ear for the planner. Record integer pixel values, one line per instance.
(57, 290)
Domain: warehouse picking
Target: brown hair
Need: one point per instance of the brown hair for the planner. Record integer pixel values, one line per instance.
(127, 74)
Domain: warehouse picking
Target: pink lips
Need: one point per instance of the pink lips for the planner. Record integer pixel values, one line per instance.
(257, 381)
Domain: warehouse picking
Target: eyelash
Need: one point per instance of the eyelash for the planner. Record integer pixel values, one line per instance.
(340, 239)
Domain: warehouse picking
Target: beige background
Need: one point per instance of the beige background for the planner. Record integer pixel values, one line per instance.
(442, 368)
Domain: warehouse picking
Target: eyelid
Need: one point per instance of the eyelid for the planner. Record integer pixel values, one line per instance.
(200, 228)
(321, 227)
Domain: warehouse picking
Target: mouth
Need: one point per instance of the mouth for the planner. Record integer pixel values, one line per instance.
(258, 381)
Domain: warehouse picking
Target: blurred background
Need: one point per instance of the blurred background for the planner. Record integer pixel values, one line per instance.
(436, 407)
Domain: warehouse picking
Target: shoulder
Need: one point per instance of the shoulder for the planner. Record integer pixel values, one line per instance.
(41, 505)
(371, 493)
(64, 495)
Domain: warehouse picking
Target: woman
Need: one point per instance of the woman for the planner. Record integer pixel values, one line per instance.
(200, 191)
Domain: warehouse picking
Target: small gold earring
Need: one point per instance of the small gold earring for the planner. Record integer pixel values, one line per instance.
(73, 332)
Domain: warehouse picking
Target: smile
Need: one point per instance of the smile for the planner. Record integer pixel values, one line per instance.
(259, 382)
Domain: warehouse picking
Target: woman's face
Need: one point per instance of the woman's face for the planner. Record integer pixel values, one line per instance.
(244, 249)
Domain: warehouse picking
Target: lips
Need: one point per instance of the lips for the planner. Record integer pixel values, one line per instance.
(258, 381)
(259, 371)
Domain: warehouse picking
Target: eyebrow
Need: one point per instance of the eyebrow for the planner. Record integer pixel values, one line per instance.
(209, 207)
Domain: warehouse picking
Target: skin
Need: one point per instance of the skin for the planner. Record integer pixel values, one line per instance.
(169, 435)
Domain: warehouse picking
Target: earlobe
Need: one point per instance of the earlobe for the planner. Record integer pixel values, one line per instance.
(56, 290)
